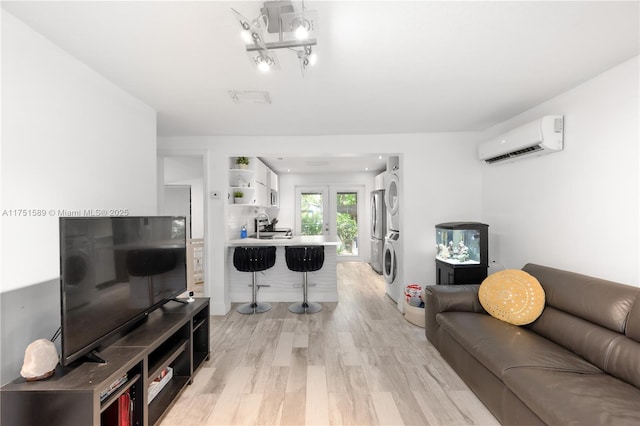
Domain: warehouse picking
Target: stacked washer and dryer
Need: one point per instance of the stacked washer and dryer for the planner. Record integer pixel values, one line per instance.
(392, 255)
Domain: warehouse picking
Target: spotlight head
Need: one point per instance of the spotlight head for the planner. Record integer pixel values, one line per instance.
(302, 33)
(300, 27)
(264, 66)
(313, 59)
(307, 57)
(251, 30)
(264, 62)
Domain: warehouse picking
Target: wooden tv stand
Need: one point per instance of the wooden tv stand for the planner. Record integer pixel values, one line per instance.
(175, 335)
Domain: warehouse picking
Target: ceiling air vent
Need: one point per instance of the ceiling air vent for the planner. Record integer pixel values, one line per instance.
(250, 97)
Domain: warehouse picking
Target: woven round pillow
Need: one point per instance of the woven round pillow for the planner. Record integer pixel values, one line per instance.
(512, 296)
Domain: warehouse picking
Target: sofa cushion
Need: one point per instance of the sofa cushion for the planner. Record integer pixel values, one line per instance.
(571, 398)
(610, 351)
(512, 296)
(500, 346)
(601, 302)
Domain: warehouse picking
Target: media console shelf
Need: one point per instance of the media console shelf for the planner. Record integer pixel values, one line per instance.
(175, 335)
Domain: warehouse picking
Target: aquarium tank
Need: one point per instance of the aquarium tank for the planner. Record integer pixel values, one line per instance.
(462, 243)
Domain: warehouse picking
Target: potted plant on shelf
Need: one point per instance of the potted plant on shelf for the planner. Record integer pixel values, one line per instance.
(238, 197)
(242, 162)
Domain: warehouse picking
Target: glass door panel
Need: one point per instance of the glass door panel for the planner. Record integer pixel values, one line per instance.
(312, 211)
(311, 214)
(347, 223)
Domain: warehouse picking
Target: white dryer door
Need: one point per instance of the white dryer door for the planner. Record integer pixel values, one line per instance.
(391, 196)
(389, 265)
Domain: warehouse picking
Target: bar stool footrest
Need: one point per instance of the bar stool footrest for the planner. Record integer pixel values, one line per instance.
(302, 285)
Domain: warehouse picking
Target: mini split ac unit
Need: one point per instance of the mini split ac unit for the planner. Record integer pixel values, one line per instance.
(542, 136)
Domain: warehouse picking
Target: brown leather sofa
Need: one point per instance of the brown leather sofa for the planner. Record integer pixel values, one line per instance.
(577, 364)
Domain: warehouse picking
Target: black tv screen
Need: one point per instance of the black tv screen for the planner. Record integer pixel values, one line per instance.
(114, 271)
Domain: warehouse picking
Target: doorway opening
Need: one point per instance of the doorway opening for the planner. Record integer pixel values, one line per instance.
(182, 194)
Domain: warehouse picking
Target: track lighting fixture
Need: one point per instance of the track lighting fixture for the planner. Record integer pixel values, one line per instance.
(296, 31)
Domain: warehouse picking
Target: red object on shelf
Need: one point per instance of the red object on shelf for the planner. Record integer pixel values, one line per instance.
(125, 409)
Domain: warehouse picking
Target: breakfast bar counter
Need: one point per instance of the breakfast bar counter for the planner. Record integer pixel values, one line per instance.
(285, 285)
(301, 240)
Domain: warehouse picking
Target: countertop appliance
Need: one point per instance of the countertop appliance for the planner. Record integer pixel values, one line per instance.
(378, 229)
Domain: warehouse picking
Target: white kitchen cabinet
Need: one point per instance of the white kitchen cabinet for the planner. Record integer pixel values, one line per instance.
(273, 181)
(262, 172)
(262, 185)
(274, 199)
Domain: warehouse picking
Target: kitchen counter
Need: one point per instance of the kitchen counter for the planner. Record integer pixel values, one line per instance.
(285, 285)
(301, 240)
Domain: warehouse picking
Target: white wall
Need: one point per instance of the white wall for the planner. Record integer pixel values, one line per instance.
(578, 209)
(71, 140)
(440, 183)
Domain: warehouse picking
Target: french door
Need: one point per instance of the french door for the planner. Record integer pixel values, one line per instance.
(332, 211)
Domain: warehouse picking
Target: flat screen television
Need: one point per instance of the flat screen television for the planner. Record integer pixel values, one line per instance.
(113, 272)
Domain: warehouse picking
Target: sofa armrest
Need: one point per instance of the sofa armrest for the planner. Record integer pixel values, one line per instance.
(448, 298)
(460, 298)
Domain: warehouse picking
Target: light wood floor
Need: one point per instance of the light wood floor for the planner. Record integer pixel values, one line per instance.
(357, 362)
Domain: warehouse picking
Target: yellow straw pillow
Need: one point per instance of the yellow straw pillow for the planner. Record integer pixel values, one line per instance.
(512, 296)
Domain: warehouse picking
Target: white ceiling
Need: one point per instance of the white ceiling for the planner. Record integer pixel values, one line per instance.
(339, 163)
(384, 66)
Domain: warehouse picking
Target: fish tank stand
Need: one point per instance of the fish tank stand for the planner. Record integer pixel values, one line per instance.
(462, 254)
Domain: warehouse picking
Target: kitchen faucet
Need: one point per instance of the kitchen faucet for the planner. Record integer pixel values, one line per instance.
(258, 223)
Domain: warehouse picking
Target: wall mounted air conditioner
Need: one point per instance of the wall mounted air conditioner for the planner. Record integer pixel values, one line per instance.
(542, 136)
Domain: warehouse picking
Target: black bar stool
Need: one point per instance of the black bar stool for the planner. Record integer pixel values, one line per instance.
(304, 259)
(254, 259)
